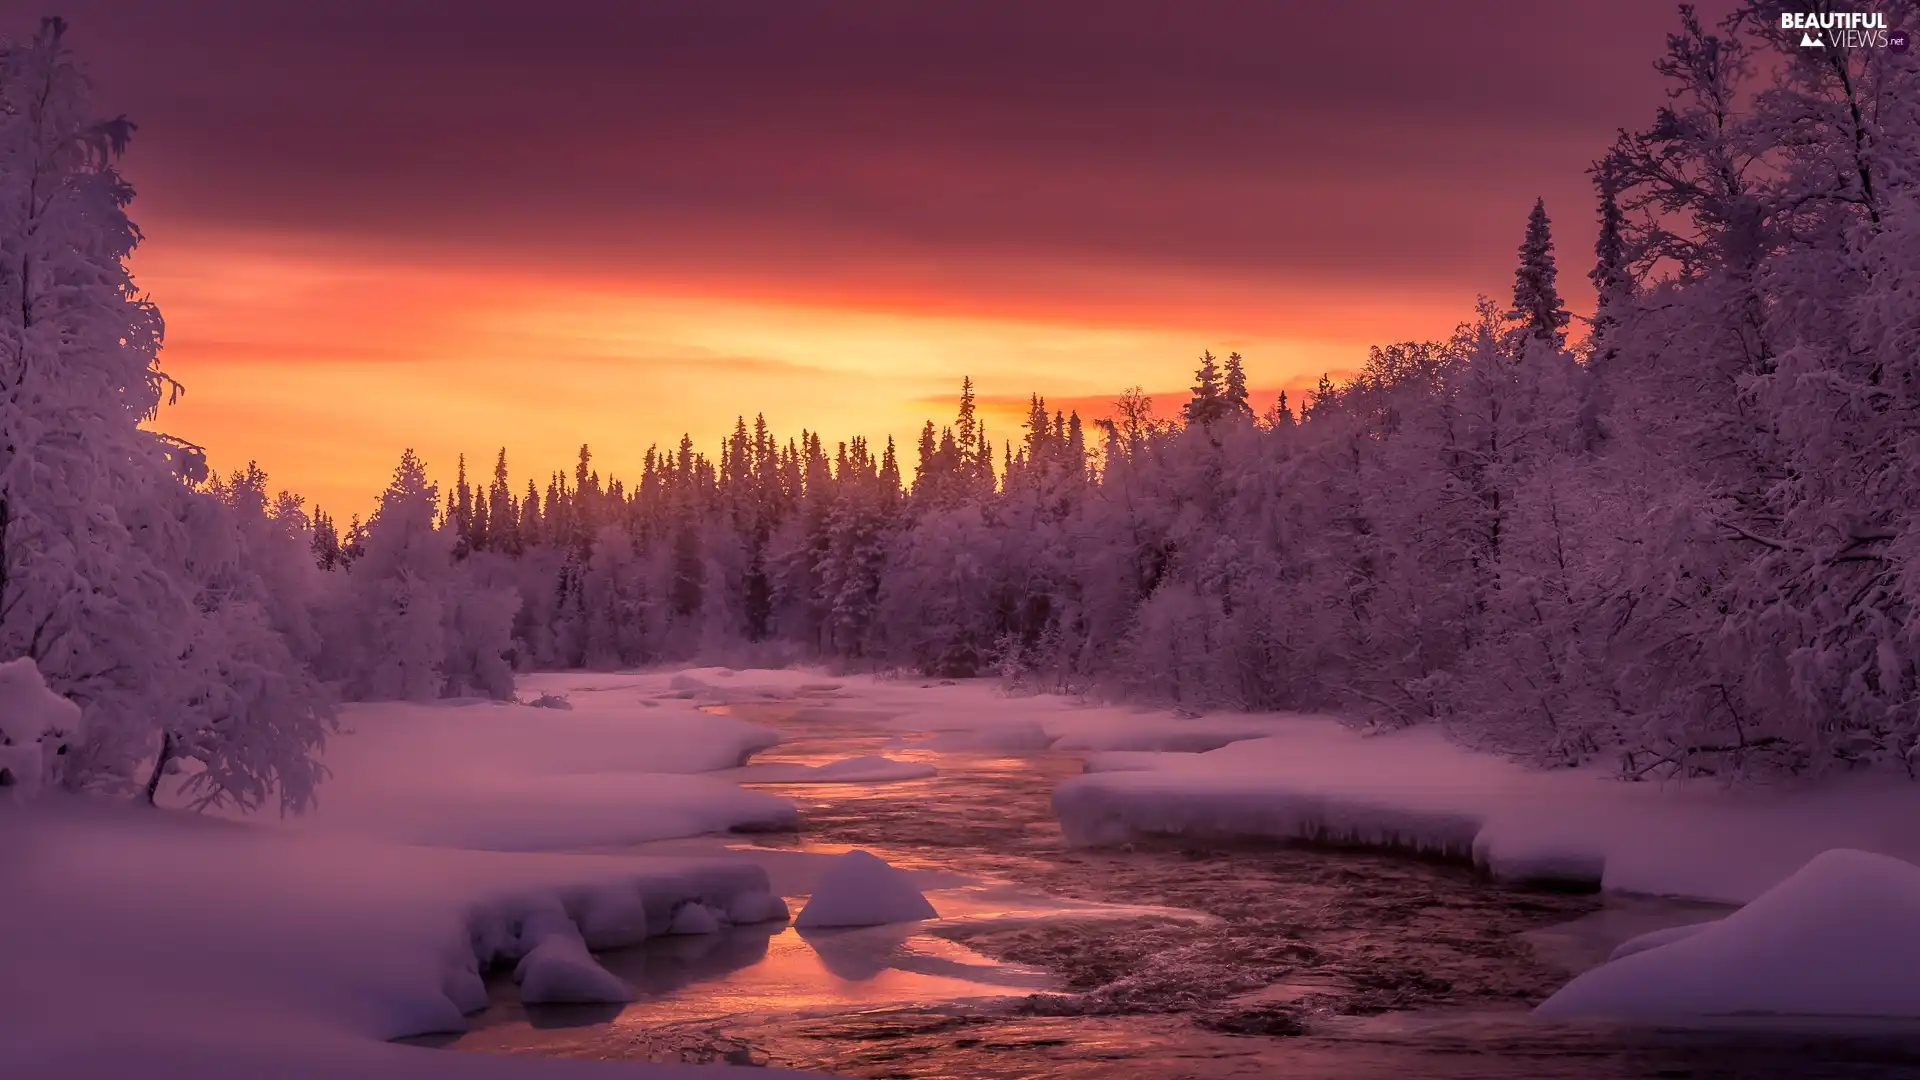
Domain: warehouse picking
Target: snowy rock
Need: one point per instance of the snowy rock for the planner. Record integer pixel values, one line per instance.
(609, 918)
(871, 769)
(860, 889)
(694, 918)
(751, 908)
(36, 727)
(560, 970)
(1839, 938)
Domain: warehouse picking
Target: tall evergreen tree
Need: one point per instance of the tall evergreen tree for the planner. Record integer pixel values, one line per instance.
(1536, 295)
(1208, 402)
(1611, 276)
(1234, 394)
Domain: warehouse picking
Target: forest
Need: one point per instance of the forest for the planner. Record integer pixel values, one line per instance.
(1678, 535)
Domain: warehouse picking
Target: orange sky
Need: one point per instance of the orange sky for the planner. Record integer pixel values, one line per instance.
(323, 366)
(374, 224)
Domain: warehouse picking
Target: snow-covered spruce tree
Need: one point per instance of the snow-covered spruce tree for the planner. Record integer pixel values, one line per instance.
(248, 714)
(86, 543)
(172, 615)
(1536, 291)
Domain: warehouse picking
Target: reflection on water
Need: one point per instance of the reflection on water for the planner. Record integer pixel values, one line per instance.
(1160, 961)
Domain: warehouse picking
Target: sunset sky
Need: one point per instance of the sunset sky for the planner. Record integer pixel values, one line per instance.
(458, 225)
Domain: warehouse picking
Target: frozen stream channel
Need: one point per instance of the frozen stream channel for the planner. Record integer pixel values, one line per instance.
(1164, 960)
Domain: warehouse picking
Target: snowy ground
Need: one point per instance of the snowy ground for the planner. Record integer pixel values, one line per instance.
(456, 836)
(165, 943)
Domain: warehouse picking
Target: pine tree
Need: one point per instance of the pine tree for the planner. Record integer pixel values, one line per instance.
(1611, 276)
(1234, 395)
(460, 516)
(1536, 296)
(326, 541)
(1207, 403)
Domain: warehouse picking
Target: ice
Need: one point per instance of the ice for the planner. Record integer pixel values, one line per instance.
(1841, 937)
(872, 769)
(860, 889)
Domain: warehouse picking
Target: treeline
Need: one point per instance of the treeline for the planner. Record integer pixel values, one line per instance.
(1684, 544)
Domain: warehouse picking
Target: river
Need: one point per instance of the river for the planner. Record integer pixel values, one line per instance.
(1160, 961)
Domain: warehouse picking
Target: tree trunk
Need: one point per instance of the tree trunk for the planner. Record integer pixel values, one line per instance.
(159, 766)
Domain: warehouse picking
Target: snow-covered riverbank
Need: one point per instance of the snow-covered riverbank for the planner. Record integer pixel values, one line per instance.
(160, 943)
(455, 837)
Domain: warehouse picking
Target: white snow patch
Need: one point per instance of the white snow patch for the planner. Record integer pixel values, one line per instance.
(1314, 779)
(1841, 937)
(496, 777)
(36, 727)
(1013, 737)
(154, 943)
(751, 908)
(694, 918)
(871, 769)
(861, 889)
(1653, 939)
(726, 684)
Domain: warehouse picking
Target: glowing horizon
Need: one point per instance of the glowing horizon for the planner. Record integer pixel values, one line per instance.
(323, 367)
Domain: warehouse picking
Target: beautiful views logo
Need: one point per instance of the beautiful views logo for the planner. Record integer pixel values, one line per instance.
(1845, 30)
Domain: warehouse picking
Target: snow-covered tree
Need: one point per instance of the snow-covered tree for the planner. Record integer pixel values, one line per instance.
(1536, 292)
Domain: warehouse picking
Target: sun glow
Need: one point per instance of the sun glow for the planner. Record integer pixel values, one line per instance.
(323, 365)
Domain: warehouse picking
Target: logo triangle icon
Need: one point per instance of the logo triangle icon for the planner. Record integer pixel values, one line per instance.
(1808, 41)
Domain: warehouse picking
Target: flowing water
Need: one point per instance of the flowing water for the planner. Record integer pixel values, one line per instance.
(1162, 960)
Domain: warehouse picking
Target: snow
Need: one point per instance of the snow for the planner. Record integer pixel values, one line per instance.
(860, 889)
(1315, 779)
(726, 684)
(694, 918)
(871, 769)
(1653, 939)
(1841, 937)
(36, 727)
(752, 908)
(1014, 737)
(156, 943)
(508, 777)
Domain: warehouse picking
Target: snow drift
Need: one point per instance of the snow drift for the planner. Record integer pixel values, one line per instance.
(1839, 938)
(861, 889)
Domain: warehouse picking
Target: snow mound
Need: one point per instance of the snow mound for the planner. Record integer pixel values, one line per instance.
(1014, 737)
(730, 685)
(1653, 939)
(871, 769)
(558, 970)
(1839, 938)
(36, 727)
(860, 889)
(750, 908)
(694, 918)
